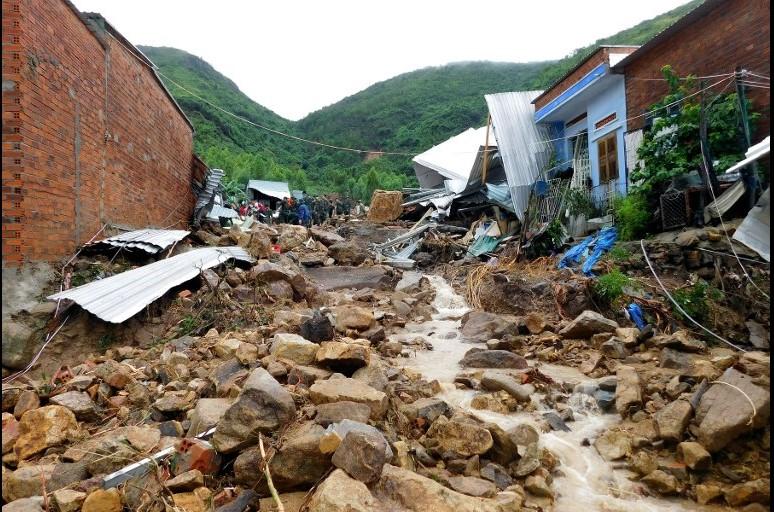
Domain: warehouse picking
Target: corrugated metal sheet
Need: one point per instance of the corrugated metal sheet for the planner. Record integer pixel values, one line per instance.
(221, 212)
(520, 142)
(755, 230)
(150, 240)
(205, 193)
(278, 189)
(117, 298)
(754, 153)
(452, 159)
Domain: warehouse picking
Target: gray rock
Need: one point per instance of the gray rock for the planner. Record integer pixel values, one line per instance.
(480, 326)
(672, 420)
(496, 474)
(207, 413)
(661, 482)
(338, 411)
(493, 359)
(587, 324)
(79, 403)
(724, 413)
(318, 328)
(459, 437)
(614, 349)
(263, 406)
(337, 390)
(628, 393)
(362, 455)
(18, 345)
(339, 492)
(429, 409)
(759, 336)
(497, 382)
(675, 360)
(348, 253)
(473, 486)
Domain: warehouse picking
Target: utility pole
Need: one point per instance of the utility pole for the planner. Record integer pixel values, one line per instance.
(749, 173)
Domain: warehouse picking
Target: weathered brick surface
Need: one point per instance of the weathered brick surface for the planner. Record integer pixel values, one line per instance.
(735, 33)
(594, 60)
(89, 135)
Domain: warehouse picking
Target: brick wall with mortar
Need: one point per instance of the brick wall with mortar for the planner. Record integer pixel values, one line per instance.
(734, 33)
(89, 136)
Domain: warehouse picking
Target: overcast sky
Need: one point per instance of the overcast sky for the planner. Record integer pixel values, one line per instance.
(297, 56)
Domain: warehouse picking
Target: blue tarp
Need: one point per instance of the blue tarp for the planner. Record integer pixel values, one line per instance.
(635, 315)
(601, 242)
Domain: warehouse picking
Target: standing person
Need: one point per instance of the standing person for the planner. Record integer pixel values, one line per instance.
(304, 214)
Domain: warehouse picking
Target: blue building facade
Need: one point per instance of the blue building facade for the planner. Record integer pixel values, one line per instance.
(586, 109)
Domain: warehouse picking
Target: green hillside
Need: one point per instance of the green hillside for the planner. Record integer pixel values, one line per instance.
(408, 113)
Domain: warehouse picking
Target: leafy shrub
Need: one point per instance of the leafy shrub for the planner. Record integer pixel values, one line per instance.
(609, 287)
(579, 202)
(632, 215)
(618, 254)
(696, 300)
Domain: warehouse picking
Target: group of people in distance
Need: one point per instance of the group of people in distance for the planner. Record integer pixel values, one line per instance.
(306, 212)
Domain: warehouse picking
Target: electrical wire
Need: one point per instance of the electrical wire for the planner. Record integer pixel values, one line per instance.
(678, 306)
(728, 78)
(49, 338)
(719, 253)
(678, 78)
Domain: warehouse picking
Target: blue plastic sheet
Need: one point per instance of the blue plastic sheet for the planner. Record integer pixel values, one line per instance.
(602, 242)
(635, 315)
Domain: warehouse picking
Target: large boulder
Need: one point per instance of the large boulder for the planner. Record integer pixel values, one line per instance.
(291, 236)
(493, 359)
(18, 345)
(672, 420)
(298, 463)
(362, 455)
(725, 413)
(79, 402)
(497, 382)
(258, 244)
(588, 324)
(293, 347)
(348, 253)
(207, 413)
(416, 493)
(42, 428)
(263, 406)
(327, 238)
(26, 481)
(460, 437)
(340, 492)
(343, 357)
(337, 390)
(386, 206)
(353, 317)
(480, 326)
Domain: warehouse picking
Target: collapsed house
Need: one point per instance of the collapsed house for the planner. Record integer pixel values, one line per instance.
(271, 191)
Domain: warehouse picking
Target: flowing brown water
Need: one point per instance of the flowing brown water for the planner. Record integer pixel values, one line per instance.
(587, 482)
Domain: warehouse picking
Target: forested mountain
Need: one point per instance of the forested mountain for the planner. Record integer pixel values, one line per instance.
(407, 113)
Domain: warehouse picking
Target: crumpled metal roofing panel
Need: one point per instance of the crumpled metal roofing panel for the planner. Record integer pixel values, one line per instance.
(453, 158)
(755, 230)
(219, 211)
(278, 189)
(520, 142)
(119, 297)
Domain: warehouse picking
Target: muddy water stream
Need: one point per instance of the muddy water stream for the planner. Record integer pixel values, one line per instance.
(587, 482)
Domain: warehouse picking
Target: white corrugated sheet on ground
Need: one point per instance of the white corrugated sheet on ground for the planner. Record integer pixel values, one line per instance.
(149, 240)
(724, 202)
(277, 189)
(451, 160)
(755, 230)
(520, 142)
(119, 297)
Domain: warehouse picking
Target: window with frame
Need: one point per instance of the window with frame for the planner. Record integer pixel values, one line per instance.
(607, 149)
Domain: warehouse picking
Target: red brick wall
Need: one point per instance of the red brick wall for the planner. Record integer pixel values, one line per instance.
(736, 33)
(593, 61)
(89, 136)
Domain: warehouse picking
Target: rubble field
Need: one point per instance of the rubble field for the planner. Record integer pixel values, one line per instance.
(310, 377)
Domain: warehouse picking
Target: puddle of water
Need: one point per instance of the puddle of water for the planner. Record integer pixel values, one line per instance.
(588, 483)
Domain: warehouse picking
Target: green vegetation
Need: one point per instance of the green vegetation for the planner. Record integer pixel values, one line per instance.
(696, 300)
(618, 254)
(408, 113)
(632, 215)
(579, 202)
(609, 287)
